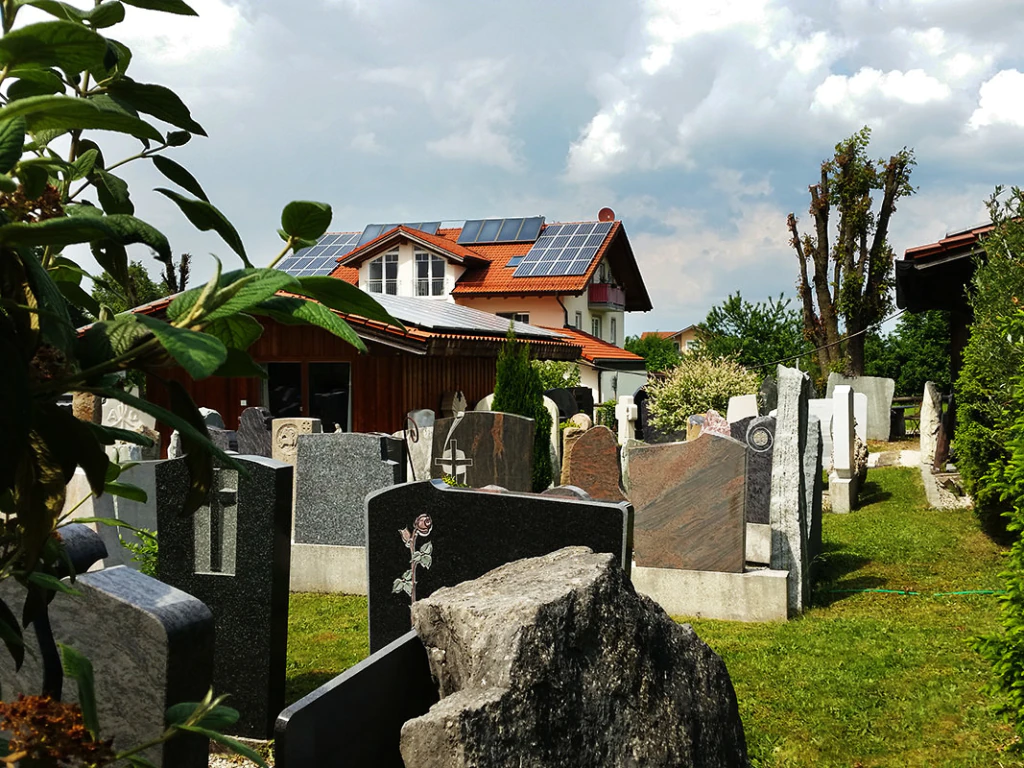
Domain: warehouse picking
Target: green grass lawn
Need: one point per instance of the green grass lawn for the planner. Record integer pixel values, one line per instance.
(861, 679)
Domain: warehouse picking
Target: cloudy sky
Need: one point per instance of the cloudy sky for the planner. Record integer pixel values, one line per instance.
(699, 123)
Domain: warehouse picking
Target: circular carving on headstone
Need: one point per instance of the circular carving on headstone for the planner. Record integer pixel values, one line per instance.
(760, 439)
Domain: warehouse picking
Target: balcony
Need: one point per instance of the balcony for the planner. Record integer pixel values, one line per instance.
(606, 296)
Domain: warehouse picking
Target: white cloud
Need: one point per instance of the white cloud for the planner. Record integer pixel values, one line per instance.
(1000, 100)
(366, 142)
(164, 38)
(867, 95)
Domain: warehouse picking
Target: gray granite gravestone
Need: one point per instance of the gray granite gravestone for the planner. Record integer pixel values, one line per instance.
(879, 393)
(768, 395)
(254, 432)
(424, 536)
(689, 499)
(759, 436)
(151, 646)
(788, 509)
(364, 708)
(482, 448)
(234, 554)
(334, 471)
(814, 484)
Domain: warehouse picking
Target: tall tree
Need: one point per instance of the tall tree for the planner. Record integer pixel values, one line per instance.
(659, 354)
(915, 352)
(753, 334)
(136, 289)
(848, 283)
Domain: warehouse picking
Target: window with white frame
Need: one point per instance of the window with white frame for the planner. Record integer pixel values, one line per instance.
(384, 274)
(429, 275)
(519, 317)
(613, 329)
(595, 327)
(579, 321)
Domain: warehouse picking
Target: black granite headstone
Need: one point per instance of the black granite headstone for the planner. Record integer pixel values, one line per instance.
(254, 432)
(480, 448)
(566, 402)
(356, 719)
(234, 554)
(424, 536)
(584, 400)
(758, 434)
(225, 439)
(768, 395)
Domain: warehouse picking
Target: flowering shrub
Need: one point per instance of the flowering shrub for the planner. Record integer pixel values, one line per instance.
(696, 386)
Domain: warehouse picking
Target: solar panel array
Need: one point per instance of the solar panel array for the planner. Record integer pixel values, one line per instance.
(501, 230)
(376, 230)
(322, 258)
(564, 249)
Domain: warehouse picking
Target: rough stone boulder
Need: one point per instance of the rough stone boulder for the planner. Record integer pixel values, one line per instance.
(556, 661)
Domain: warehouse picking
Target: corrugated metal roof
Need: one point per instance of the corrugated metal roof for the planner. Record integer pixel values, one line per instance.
(434, 315)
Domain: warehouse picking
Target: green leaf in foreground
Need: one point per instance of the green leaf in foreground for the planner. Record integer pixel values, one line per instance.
(345, 297)
(240, 290)
(198, 353)
(227, 741)
(180, 176)
(65, 113)
(295, 311)
(62, 44)
(205, 217)
(79, 669)
(156, 100)
(167, 6)
(306, 219)
(12, 140)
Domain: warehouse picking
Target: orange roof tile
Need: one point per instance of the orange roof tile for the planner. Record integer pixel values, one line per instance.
(949, 244)
(596, 349)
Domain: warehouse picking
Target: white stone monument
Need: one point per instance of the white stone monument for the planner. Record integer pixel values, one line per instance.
(625, 415)
(931, 416)
(842, 483)
(741, 407)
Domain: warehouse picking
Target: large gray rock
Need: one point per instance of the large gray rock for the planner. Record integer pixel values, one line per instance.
(931, 417)
(879, 392)
(556, 661)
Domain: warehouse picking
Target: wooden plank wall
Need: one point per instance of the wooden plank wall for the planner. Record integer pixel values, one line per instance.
(386, 383)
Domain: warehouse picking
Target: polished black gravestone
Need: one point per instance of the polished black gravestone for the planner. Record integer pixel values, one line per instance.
(480, 448)
(424, 536)
(768, 395)
(334, 471)
(758, 434)
(356, 719)
(566, 402)
(584, 400)
(254, 432)
(234, 554)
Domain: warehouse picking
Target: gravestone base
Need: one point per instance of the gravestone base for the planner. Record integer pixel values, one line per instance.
(843, 494)
(757, 595)
(328, 569)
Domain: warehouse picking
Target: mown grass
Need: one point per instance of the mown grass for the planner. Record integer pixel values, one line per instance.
(862, 679)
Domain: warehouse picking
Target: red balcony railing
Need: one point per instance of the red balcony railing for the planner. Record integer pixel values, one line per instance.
(607, 296)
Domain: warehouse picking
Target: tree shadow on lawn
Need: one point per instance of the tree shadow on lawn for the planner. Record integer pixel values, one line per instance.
(871, 493)
(298, 685)
(833, 564)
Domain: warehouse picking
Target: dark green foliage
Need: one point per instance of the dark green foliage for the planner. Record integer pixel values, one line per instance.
(139, 289)
(659, 354)
(557, 374)
(987, 409)
(915, 352)
(755, 335)
(144, 551)
(518, 390)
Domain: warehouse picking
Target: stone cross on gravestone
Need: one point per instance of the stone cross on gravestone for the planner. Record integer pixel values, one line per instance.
(454, 461)
(625, 414)
(216, 526)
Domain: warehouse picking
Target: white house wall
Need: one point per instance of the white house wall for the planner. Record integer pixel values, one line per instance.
(543, 310)
(407, 273)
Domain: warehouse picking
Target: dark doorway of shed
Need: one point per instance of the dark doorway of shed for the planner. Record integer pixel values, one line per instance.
(317, 390)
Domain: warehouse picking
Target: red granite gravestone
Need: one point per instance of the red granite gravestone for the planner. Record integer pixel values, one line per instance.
(592, 463)
(689, 500)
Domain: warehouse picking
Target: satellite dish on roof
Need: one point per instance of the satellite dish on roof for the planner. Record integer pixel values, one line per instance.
(606, 214)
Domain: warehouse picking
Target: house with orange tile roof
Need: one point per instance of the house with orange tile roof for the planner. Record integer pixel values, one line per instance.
(684, 341)
(578, 278)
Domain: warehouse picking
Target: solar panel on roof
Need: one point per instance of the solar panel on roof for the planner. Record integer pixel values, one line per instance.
(373, 231)
(563, 249)
(322, 258)
(501, 230)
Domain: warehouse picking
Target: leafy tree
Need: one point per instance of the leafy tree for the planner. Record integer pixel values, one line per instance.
(916, 351)
(697, 386)
(847, 286)
(659, 354)
(557, 374)
(518, 389)
(754, 335)
(140, 290)
(61, 81)
(986, 407)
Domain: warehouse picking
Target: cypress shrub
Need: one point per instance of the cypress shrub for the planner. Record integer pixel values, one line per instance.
(518, 390)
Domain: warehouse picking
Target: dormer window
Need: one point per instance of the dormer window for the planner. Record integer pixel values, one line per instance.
(429, 275)
(384, 274)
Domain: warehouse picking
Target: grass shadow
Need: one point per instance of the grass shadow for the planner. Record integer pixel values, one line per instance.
(827, 593)
(829, 568)
(298, 685)
(871, 493)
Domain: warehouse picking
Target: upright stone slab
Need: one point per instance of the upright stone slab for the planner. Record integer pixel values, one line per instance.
(931, 418)
(694, 425)
(234, 555)
(566, 402)
(768, 395)
(788, 511)
(424, 536)
(285, 436)
(741, 407)
(714, 424)
(860, 416)
(334, 472)
(584, 400)
(814, 485)
(842, 484)
(151, 646)
(484, 403)
(582, 421)
(254, 432)
(593, 465)
(879, 392)
(556, 437)
(689, 500)
(625, 417)
(481, 448)
(821, 409)
(419, 443)
(758, 435)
